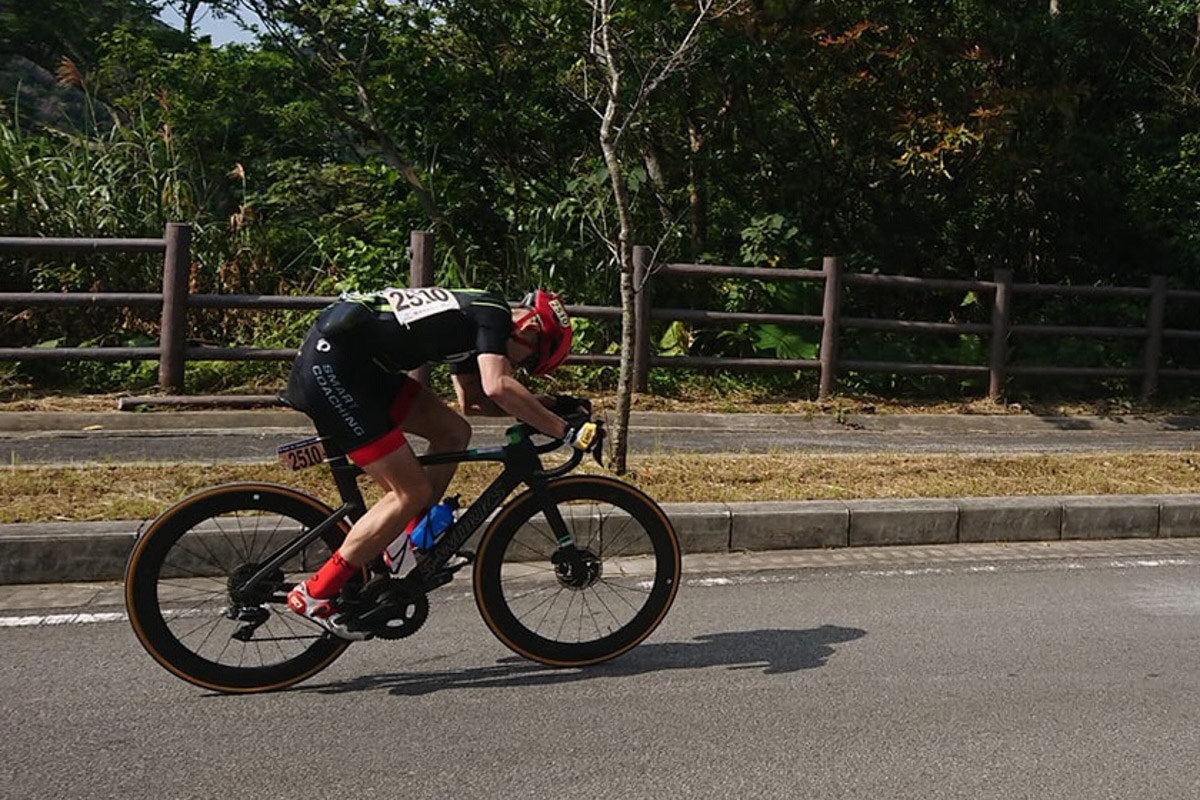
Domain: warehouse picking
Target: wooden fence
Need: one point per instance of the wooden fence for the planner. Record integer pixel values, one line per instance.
(173, 350)
(1001, 290)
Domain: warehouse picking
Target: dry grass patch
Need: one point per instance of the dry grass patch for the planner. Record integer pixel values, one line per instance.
(825, 477)
(138, 492)
(726, 402)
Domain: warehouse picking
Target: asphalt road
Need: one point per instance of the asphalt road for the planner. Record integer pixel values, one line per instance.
(1062, 671)
(213, 437)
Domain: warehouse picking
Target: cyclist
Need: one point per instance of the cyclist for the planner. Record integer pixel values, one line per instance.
(352, 378)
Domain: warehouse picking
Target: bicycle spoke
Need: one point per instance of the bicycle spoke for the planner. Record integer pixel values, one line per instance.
(270, 538)
(192, 591)
(210, 558)
(610, 548)
(616, 588)
(599, 599)
(538, 553)
(592, 617)
(570, 602)
(548, 602)
(195, 588)
(237, 518)
(216, 521)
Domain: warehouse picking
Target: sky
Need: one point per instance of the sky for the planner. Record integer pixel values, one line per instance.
(222, 31)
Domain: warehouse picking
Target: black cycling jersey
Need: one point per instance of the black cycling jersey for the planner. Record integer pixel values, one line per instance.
(403, 329)
(352, 371)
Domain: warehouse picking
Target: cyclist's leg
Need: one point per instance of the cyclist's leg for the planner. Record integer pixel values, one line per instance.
(389, 460)
(446, 431)
(407, 492)
(360, 407)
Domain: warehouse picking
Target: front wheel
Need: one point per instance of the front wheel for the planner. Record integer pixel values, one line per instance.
(577, 605)
(182, 588)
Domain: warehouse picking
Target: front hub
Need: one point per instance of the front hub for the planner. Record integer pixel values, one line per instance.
(576, 568)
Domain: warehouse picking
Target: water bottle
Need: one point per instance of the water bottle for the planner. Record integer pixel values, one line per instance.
(400, 555)
(436, 521)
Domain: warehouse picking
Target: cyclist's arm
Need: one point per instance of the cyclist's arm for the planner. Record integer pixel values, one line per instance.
(471, 397)
(498, 385)
(473, 401)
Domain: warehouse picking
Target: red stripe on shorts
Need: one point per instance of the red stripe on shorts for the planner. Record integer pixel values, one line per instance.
(394, 439)
(388, 443)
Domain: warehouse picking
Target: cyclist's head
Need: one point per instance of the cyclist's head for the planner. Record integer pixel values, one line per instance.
(553, 330)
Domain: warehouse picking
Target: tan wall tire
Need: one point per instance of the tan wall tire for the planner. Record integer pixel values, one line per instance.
(529, 606)
(177, 587)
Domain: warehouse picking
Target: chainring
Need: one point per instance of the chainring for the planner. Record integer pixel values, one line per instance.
(392, 609)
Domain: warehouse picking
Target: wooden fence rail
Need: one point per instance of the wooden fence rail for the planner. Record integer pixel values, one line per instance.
(831, 321)
(173, 350)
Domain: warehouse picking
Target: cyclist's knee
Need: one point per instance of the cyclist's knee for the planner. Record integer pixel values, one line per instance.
(458, 435)
(407, 500)
(454, 434)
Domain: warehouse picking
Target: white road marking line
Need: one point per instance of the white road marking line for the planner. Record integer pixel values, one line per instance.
(781, 576)
(61, 619)
(84, 618)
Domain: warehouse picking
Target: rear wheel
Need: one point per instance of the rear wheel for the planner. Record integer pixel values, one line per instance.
(182, 588)
(586, 603)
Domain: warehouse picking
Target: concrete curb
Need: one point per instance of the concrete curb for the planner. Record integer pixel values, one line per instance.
(90, 551)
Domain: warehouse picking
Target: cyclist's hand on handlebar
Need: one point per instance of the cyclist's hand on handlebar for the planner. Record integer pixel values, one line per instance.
(583, 435)
(565, 405)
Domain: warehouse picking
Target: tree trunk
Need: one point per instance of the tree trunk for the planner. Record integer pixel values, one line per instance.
(610, 145)
(697, 208)
(189, 17)
(652, 158)
(616, 176)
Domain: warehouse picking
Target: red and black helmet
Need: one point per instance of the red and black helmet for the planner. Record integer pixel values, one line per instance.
(554, 337)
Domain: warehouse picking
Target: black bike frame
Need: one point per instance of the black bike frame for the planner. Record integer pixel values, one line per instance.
(522, 465)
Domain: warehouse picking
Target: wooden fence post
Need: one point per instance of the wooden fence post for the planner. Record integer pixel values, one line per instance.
(830, 323)
(1154, 335)
(641, 318)
(1001, 326)
(420, 269)
(172, 335)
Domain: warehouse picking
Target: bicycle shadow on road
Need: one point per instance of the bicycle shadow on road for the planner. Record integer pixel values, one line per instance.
(774, 651)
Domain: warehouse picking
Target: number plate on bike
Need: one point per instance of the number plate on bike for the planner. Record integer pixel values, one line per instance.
(302, 455)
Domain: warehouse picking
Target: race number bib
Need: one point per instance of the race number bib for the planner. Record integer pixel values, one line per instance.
(303, 454)
(410, 305)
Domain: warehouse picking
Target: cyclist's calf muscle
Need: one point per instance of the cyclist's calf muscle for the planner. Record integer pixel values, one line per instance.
(408, 491)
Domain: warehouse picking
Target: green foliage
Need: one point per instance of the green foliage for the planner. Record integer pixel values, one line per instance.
(767, 240)
(925, 138)
(676, 341)
(784, 343)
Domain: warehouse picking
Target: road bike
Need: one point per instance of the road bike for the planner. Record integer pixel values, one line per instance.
(572, 571)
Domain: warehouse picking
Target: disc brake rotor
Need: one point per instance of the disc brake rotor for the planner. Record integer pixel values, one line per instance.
(577, 568)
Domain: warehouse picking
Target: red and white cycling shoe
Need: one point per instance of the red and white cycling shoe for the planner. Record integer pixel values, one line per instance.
(322, 611)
